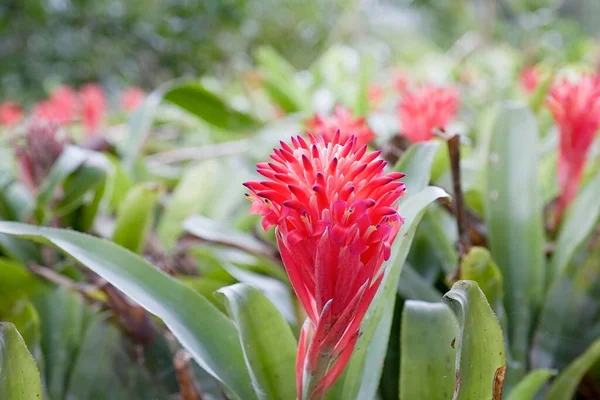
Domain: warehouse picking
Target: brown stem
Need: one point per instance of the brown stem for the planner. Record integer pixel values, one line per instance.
(462, 223)
(62, 281)
(185, 378)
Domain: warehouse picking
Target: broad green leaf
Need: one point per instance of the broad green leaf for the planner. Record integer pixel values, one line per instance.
(187, 199)
(413, 286)
(513, 213)
(529, 386)
(480, 356)
(136, 216)
(362, 374)
(581, 219)
(267, 340)
(62, 318)
(103, 362)
(427, 354)
(200, 327)
(202, 103)
(19, 376)
(565, 385)
(85, 179)
(27, 321)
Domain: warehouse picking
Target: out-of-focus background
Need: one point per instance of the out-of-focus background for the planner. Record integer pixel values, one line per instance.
(145, 42)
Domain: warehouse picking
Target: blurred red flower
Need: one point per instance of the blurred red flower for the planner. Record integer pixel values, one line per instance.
(131, 98)
(575, 106)
(375, 95)
(10, 113)
(425, 108)
(60, 108)
(93, 107)
(342, 120)
(529, 78)
(333, 207)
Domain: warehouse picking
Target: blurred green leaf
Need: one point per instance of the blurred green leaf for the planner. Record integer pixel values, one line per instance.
(136, 216)
(427, 352)
(529, 386)
(480, 356)
(85, 179)
(513, 213)
(566, 383)
(63, 319)
(197, 100)
(361, 105)
(280, 83)
(200, 327)
(477, 265)
(16, 282)
(412, 286)
(581, 218)
(267, 340)
(416, 163)
(19, 376)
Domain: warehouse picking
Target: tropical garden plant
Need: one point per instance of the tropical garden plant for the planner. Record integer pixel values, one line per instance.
(419, 229)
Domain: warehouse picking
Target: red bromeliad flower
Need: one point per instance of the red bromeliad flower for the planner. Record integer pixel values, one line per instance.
(576, 109)
(530, 78)
(375, 94)
(342, 120)
(131, 98)
(425, 108)
(93, 107)
(10, 113)
(333, 207)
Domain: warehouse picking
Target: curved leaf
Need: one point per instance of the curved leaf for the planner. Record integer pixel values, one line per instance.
(200, 327)
(513, 213)
(202, 103)
(565, 385)
(530, 385)
(267, 341)
(19, 376)
(135, 216)
(427, 354)
(480, 358)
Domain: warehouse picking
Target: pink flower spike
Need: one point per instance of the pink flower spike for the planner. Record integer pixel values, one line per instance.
(131, 98)
(425, 108)
(334, 209)
(575, 106)
(529, 78)
(93, 107)
(342, 120)
(10, 114)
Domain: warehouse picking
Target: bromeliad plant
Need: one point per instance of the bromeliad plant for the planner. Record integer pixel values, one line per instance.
(130, 262)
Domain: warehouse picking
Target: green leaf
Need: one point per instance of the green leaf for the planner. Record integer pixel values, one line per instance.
(361, 105)
(529, 386)
(217, 232)
(427, 354)
(19, 376)
(480, 356)
(581, 219)
(62, 318)
(280, 82)
(139, 125)
(413, 286)
(416, 163)
(187, 199)
(136, 215)
(565, 385)
(477, 265)
(513, 213)
(363, 372)
(267, 340)
(202, 103)
(200, 327)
